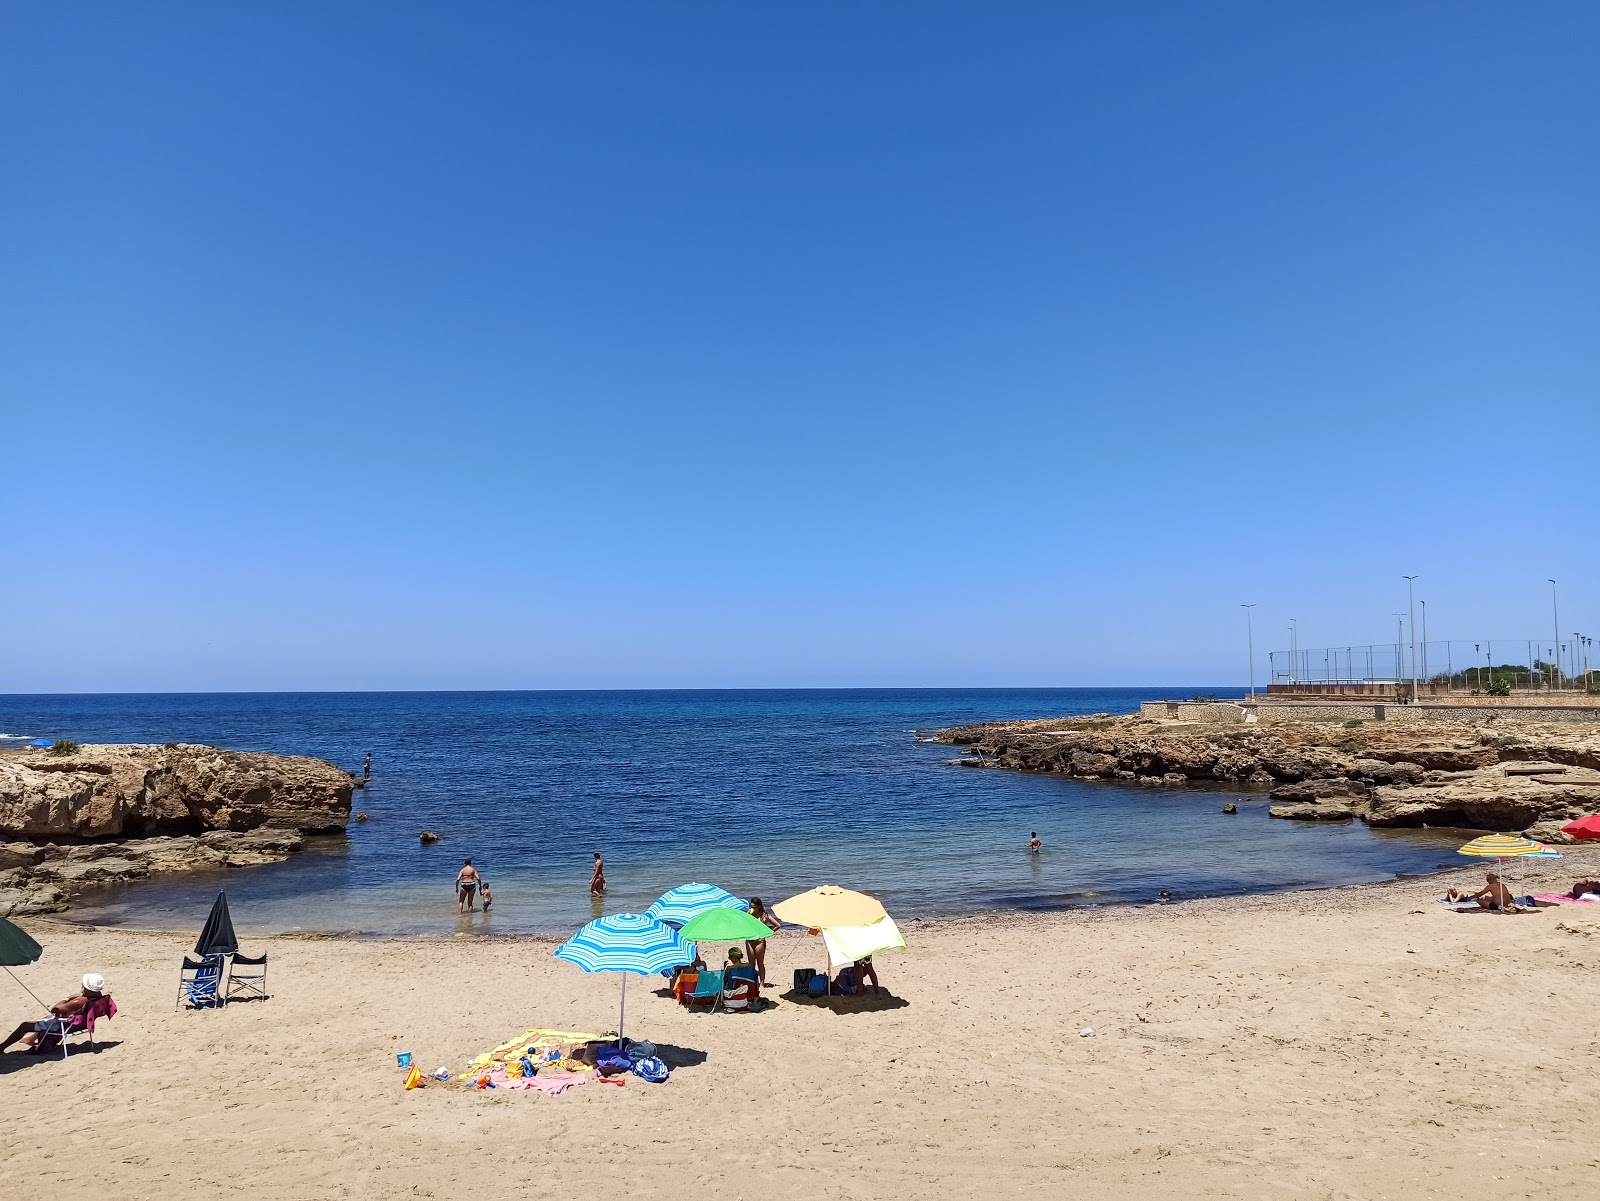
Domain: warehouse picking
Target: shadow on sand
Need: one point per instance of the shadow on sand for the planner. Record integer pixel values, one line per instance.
(843, 1006)
(14, 1060)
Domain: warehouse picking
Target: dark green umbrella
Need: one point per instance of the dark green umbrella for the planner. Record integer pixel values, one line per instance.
(17, 949)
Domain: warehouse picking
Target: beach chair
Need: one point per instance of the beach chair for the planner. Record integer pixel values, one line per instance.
(200, 983)
(734, 980)
(79, 1025)
(250, 984)
(683, 985)
(707, 988)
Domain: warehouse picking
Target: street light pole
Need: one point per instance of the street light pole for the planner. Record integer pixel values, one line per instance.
(1425, 674)
(1555, 679)
(1250, 641)
(1399, 645)
(1411, 604)
(1294, 650)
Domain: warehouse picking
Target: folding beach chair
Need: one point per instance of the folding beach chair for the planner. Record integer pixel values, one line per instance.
(250, 984)
(80, 1024)
(736, 977)
(707, 988)
(200, 983)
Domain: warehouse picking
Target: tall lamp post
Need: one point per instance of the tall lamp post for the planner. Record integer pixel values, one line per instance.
(1555, 679)
(1411, 605)
(1250, 642)
(1425, 674)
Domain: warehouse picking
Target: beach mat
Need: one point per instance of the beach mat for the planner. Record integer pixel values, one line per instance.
(534, 1041)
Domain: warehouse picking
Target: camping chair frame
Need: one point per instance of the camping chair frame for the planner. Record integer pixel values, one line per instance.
(707, 978)
(193, 974)
(249, 985)
(64, 1031)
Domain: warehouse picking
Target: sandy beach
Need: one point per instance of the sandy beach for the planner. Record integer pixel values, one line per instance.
(1358, 1043)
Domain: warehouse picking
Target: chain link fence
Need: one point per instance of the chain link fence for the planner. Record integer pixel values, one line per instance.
(1492, 666)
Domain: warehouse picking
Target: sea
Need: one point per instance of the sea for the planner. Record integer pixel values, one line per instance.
(763, 792)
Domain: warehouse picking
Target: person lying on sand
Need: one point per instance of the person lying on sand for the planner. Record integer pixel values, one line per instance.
(1494, 895)
(1589, 888)
(94, 987)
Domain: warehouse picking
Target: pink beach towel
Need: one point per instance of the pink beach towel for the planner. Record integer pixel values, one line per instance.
(1559, 898)
(102, 1009)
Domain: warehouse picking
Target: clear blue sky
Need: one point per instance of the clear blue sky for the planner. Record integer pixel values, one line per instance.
(518, 345)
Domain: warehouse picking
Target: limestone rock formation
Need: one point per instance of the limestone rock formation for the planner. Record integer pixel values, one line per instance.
(130, 791)
(1449, 774)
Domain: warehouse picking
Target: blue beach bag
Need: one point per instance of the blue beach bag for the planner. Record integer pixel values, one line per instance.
(652, 1069)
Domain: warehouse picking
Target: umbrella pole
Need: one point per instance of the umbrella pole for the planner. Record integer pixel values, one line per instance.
(623, 1012)
(26, 989)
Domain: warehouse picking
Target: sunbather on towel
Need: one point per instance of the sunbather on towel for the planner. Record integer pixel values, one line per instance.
(1591, 887)
(1494, 895)
(94, 987)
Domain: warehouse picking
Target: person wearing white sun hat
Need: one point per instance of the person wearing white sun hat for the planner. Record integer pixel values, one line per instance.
(29, 1033)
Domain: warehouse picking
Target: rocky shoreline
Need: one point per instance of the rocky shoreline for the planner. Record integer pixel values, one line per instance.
(1493, 774)
(120, 812)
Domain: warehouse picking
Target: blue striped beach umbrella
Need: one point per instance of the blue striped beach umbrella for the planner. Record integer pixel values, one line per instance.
(625, 942)
(691, 900)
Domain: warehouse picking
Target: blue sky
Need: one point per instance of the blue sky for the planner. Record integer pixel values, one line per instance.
(400, 345)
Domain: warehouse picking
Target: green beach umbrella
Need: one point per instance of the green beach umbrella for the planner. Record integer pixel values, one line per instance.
(725, 925)
(17, 949)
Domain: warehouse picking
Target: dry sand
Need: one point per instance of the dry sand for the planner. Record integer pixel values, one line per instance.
(1359, 1043)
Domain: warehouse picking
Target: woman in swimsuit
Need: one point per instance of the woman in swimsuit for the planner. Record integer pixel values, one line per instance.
(467, 888)
(758, 948)
(597, 882)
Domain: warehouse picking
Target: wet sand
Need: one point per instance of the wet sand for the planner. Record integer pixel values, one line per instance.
(1358, 1043)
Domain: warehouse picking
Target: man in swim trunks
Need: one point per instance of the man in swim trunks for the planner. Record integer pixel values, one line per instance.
(1035, 844)
(31, 1032)
(597, 882)
(467, 888)
(1494, 895)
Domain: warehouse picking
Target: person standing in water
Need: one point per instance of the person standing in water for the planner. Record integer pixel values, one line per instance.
(597, 882)
(467, 888)
(1035, 844)
(366, 768)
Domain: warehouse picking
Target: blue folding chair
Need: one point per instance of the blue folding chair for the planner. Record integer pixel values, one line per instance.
(200, 983)
(707, 988)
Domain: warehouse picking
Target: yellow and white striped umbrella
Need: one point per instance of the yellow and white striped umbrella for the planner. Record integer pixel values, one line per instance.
(1502, 846)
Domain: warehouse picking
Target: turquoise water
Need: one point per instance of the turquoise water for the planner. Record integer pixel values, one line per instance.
(767, 792)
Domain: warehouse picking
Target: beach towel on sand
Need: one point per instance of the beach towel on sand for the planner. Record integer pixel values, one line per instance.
(1562, 898)
(560, 1041)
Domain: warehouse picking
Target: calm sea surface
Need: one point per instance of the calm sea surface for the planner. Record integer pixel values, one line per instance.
(767, 792)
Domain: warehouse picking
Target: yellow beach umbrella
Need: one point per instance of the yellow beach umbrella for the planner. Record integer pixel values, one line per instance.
(1502, 846)
(829, 905)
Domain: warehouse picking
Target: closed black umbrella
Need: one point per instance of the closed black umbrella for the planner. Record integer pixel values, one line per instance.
(217, 936)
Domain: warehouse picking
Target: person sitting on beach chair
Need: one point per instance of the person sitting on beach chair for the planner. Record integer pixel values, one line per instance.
(1493, 896)
(741, 986)
(78, 1012)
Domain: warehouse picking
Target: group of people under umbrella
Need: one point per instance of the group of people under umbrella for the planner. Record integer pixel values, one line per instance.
(853, 926)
